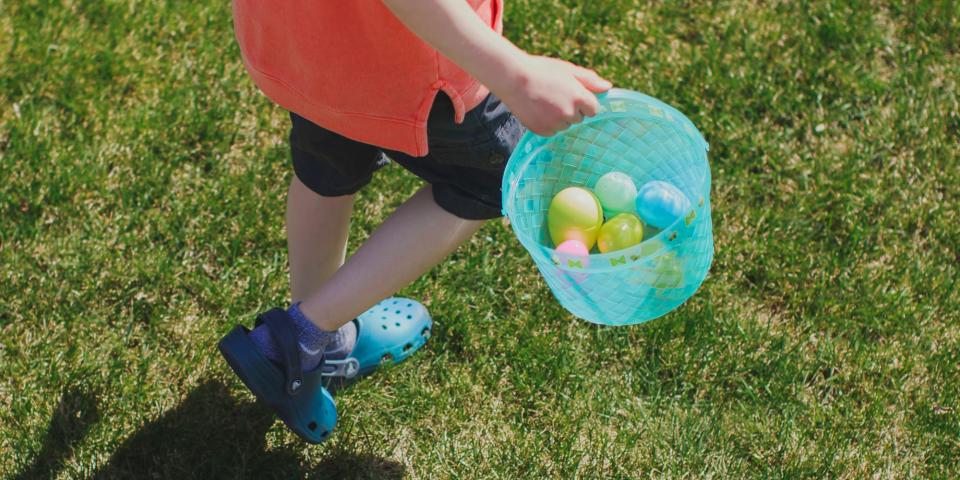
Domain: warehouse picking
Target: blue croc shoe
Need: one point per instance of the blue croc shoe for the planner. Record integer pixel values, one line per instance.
(389, 332)
(297, 397)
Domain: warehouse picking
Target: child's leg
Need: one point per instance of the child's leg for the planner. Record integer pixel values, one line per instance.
(317, 231)
(416, 237)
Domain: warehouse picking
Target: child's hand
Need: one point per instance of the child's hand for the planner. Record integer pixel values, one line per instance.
(548, 95)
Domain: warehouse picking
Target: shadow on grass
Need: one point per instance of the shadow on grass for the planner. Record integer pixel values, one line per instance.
(209, 435)
(212, 435)
(72, 419)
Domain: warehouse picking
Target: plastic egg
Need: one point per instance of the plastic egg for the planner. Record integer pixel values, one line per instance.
(659, 203)
(573, 254)
(616, 192)
(623, 231)
(574, 214)
(668, 269)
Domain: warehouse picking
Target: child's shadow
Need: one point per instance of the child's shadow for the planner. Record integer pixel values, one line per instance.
(212, 435)
(209, 435)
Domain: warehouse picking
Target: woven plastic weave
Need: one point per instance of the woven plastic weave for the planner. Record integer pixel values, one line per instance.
(648, 140)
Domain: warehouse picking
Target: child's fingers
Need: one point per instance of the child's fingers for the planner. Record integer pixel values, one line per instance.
(590, 79)
(588, 104)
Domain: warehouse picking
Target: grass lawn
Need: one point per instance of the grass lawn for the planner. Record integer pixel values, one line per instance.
(141, 217)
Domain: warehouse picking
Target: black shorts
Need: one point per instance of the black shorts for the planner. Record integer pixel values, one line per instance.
(465, 164)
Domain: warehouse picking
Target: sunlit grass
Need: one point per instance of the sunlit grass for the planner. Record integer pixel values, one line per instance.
(141, 217)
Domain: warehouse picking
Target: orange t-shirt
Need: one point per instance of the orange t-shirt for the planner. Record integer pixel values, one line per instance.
(352, 67)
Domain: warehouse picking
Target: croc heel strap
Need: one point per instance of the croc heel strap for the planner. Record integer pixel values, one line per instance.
(346, 368)
(281, 329)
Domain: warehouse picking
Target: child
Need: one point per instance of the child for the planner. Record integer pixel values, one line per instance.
(427, 83)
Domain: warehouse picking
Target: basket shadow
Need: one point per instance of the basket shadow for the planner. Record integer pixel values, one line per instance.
(212, 435)
(75, 414)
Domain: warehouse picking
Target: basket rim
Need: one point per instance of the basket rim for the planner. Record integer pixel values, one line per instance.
(681, 223)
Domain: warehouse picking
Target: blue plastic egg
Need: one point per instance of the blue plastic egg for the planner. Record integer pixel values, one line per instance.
(660, 203)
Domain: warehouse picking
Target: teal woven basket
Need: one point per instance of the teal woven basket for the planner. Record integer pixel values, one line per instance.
(648, 140)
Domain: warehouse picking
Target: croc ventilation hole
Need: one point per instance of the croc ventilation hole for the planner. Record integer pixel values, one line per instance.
(312, 426)
(407, 347)
(386, 358)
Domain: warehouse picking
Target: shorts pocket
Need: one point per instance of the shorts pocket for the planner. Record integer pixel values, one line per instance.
(484, 142)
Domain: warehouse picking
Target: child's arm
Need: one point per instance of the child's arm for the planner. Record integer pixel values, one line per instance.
(546, 94)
